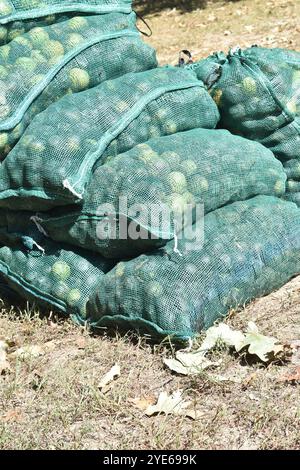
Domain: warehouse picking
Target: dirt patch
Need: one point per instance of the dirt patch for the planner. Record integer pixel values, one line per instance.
(53, 401)
(221, 25)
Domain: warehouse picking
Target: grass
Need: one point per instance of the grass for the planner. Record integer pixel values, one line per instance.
(53, 401)
(221, 25)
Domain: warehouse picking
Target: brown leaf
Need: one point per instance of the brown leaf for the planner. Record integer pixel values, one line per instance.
(143, 403)
(292, 377)
(12, 416)
(249, 380)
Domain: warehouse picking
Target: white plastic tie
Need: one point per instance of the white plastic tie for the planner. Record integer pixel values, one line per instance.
(67, 185)
(176, 250)
(39, 247)
(36, 220)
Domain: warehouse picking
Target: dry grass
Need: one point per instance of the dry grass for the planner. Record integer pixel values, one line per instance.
(221, 25)
(53, 401)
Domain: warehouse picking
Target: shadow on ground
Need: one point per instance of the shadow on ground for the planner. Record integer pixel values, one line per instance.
(146, 7)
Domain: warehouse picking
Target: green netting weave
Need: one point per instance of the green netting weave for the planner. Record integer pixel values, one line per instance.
(40, 270)
(258, 94)
(250, 249)
(41, 66)
(17, 28)
(52, 163)
(292, 169)
(27, 15)
(12, 10)
(165, 174)
(293, 196)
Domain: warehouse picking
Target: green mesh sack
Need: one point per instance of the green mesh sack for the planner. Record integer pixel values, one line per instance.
(22, 10)
(11, 31)
(150, 186)
(27, 15)
(250, 249)
(258, 94)
(45, 64)
(293, 192)
(40, 270)
(53, 162)
(292, 169)
(17, 28)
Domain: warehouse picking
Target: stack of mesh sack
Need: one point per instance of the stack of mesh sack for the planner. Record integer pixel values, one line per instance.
(257, 91)
(92, 199)
(51, 167)
(49, 49)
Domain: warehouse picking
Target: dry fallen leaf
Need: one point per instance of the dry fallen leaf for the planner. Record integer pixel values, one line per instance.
(193, 363)
(109, 377)
(12, 416)
(33, 350)
(260, 345)
(4, 364)
(172, 405)
(189, 363)
(292, 377)
(28, 351)
(256, 343)
(235, 375)
(249, 380)
(222, 333)
(143, 403)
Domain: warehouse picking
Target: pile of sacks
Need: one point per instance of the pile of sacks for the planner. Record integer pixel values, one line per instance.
(100, 147)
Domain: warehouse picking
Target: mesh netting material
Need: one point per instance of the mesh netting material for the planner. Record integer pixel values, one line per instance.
(211, 167)
(251, 248)
(40, 270)
(258, 93)
(52, 163)
(293, 196)
(292, 169)
(17, 28)
(40, 67)
(11, 10)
